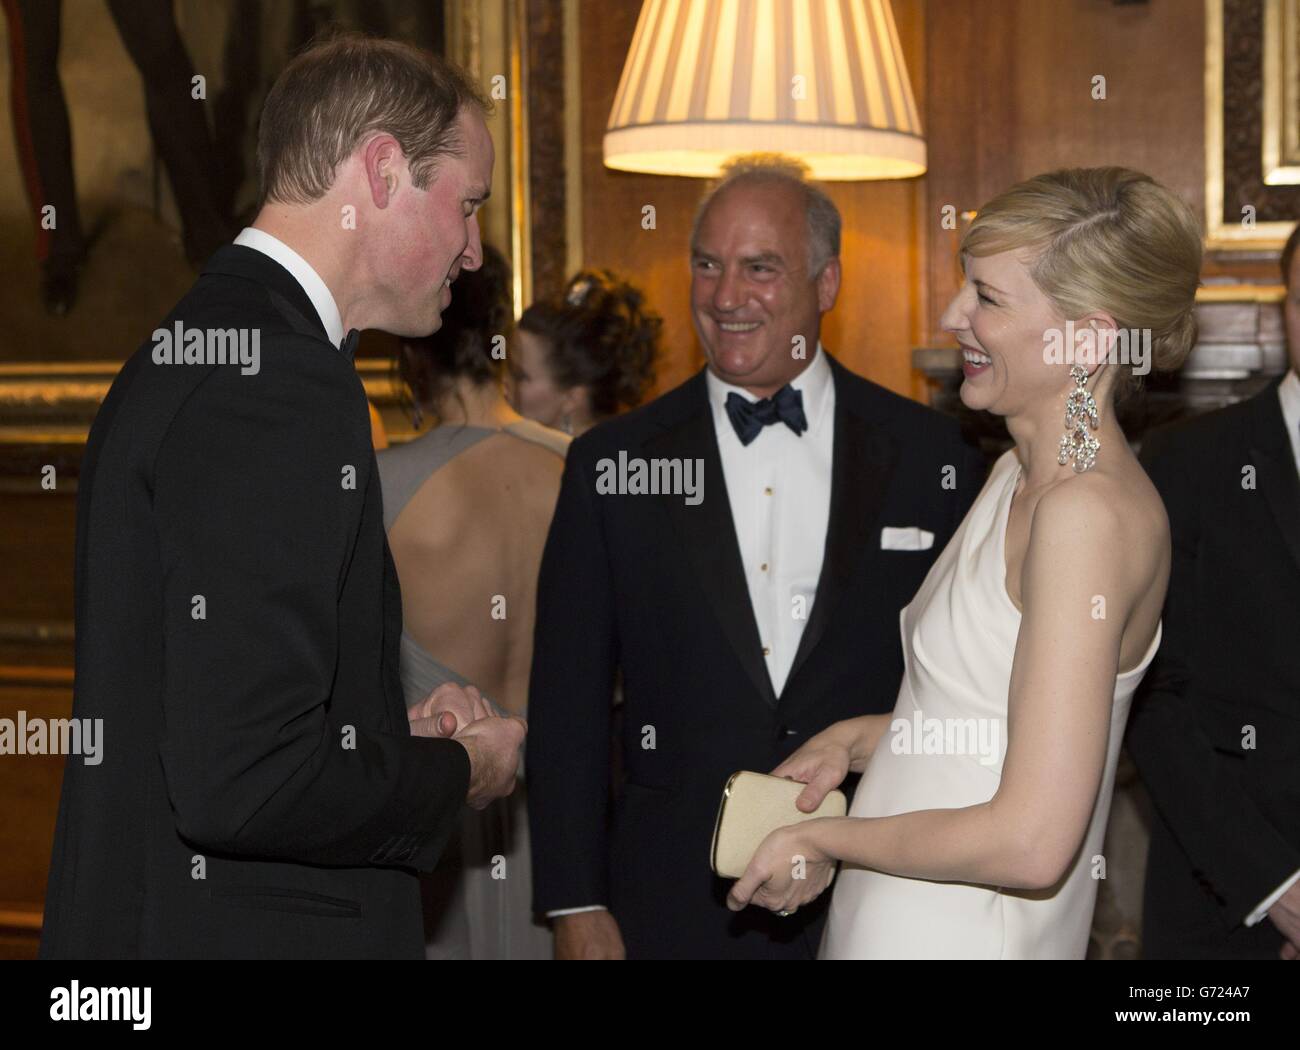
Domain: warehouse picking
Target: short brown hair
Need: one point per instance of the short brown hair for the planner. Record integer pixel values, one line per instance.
(345, 87)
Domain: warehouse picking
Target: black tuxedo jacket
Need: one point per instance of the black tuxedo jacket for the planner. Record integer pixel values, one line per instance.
(1227, 827)
(238, 619)
(654, 588)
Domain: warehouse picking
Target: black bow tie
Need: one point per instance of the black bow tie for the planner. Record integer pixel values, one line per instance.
(349, 345)
(749, 417)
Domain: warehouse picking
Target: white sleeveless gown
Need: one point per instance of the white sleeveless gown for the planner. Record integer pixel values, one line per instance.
(959, 637)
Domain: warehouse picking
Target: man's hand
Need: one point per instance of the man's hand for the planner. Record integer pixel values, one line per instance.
(588, 935)
(1285, 915)
(494, 744)
(447, 710)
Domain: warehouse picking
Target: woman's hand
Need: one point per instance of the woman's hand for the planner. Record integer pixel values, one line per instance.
(787, 871)
(822, 764)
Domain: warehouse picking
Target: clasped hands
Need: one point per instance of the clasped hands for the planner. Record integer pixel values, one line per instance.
(492, 740)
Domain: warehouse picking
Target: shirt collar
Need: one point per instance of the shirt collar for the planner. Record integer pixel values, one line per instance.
(317, 291)
(1288, 392)
(815, 382)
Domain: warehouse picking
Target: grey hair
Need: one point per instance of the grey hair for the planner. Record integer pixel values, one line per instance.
(823, 217)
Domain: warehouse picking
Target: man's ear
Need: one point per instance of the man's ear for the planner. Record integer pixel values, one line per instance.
(828, 285)
(384, 166)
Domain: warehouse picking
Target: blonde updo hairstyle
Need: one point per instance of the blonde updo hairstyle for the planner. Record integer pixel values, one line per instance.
(1108, 239)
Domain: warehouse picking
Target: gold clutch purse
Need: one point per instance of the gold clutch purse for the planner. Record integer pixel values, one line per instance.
(754, 805)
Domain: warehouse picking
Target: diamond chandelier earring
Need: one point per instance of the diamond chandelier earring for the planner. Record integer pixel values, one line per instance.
(1080, 414)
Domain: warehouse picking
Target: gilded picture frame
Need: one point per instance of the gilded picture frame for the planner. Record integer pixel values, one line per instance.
(1252, 130)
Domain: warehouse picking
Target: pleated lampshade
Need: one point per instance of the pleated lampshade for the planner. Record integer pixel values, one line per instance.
(823, 80)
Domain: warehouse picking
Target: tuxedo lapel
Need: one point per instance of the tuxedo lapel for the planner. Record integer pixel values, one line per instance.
(708, 534)
(861, 465)
(1277, 477)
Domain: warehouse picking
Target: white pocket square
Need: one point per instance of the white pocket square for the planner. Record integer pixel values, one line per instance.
(908, 538)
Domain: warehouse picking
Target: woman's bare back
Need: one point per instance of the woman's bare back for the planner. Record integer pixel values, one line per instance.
(468, 546)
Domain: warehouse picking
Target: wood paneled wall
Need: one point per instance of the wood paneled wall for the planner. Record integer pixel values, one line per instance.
(1005, 88)
(36, 548)
(876, 320)
(1010, 96)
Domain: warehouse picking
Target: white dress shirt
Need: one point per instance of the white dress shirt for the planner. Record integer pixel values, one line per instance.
(779, 487)
(317, 291)
(1288, 393)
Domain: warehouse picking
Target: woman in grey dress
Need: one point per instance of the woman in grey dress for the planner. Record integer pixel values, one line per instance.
(467, 505)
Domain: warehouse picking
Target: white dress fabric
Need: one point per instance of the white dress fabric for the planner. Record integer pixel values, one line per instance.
(959, 638)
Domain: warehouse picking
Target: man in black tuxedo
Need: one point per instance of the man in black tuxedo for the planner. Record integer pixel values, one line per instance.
(1215, 732)
(261, 793)
(748, 607)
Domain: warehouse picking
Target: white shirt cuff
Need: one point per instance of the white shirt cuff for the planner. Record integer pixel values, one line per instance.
(1262, 908)
(575, 911)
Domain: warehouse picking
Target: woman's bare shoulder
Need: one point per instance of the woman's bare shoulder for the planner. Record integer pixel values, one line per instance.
(1114, 512)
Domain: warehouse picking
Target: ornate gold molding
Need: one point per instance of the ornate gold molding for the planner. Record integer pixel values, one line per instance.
(489, 39)
(1222, 235)
(1280, 149)
(55, 403)
(573, 136)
